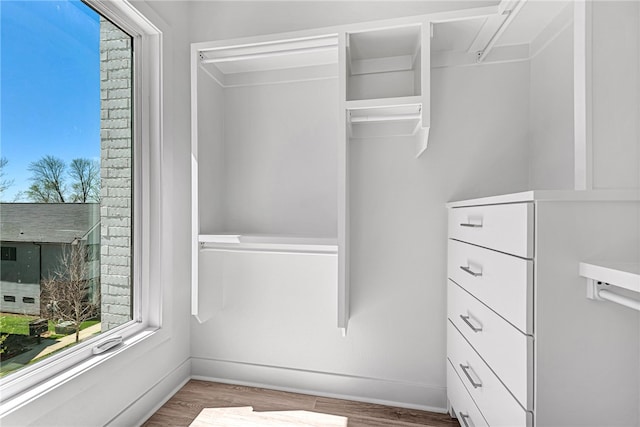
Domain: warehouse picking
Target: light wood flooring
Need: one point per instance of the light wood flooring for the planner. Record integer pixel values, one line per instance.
(195, 396)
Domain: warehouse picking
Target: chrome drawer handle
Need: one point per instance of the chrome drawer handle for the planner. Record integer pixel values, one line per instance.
(470, 271)
(464, 417)
(466, 369)
(468, 224)
(471, 325)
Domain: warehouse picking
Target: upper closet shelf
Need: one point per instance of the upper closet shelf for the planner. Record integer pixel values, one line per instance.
(268, 243)
(269, 62)
(384, 63)
(388, 82)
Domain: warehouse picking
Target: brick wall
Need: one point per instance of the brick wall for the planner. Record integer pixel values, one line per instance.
(115, 174)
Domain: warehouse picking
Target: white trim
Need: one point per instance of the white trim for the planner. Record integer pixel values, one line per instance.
(37, 390)
(582, 93)
(195, 207)
(20, 387)
(155, 397)
(404, 394)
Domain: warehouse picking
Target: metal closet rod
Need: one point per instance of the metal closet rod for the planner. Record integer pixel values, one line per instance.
(261, 55)
(619, 299)
(385, 118)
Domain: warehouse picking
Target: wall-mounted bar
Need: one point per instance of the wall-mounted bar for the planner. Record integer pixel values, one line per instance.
(618, 299)
(268, 243)
(297, 51)
(385, 118)
(623, 276)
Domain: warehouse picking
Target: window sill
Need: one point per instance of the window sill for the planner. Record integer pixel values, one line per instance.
(81, 368)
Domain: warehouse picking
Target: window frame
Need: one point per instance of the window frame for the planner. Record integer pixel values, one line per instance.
(32, 381)
(12, 251)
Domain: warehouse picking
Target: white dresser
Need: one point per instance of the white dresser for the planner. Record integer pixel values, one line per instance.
(524, 345)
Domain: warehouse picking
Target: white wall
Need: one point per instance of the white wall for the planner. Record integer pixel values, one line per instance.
(280, 158)
(277, 327)
(616, 94)
(211, 148)
(123, 389)
(551, 153)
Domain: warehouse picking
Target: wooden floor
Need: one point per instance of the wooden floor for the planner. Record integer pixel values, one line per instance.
(195, 396)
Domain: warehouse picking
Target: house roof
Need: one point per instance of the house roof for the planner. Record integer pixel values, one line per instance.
(47, 222)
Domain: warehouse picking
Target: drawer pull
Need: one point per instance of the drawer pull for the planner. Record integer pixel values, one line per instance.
(470, 271)
(466, 369)
(471, 325)
(468, 224)
(464, 417)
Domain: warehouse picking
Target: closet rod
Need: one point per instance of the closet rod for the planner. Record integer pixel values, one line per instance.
(314, 49)
(512, 14)
(619, 299)
(385, 118)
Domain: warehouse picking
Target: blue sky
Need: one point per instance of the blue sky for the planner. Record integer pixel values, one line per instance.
(49, 84)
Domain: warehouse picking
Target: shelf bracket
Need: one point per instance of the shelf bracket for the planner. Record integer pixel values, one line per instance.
(593, 289)
(614, 282)
(600, 291)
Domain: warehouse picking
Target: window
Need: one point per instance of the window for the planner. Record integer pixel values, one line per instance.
(9, 298)
(8, 253)
(91, 113)
(67, 124)
(92, 253)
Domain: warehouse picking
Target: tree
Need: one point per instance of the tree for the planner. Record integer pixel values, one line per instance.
(4, 182)
(85, 174)
(47, 180)
(67, 292)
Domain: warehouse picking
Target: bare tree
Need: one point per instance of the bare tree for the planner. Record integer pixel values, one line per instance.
(67, 292)
(48, 180)
(4, 182)
(85, 174)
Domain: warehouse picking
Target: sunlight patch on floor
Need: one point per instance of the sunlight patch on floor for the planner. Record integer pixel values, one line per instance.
(245, 417)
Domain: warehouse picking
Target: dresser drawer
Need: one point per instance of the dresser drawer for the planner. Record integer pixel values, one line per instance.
(465, 410)
(497, 405)
(507, 351)
(506, 228)
(503, 282)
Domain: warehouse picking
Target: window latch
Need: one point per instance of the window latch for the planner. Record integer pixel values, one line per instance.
(107, 345)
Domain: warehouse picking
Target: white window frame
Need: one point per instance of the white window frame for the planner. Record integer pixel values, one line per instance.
(29, 382)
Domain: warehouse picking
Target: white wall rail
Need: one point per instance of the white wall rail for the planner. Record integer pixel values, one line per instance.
(615, 282)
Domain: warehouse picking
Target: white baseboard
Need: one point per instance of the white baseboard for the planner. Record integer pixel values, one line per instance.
(146, 405)
(371, 390)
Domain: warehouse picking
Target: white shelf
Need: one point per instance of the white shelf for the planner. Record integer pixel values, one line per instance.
(395, 102)
(283, 54)
(268, 243)
(385, 117)
(625, 275)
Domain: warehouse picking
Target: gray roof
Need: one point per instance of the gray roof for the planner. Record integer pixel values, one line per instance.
(47, 222)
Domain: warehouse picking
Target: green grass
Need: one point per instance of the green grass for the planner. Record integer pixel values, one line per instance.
(19, 324)
(15, 324)
(88, 323)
